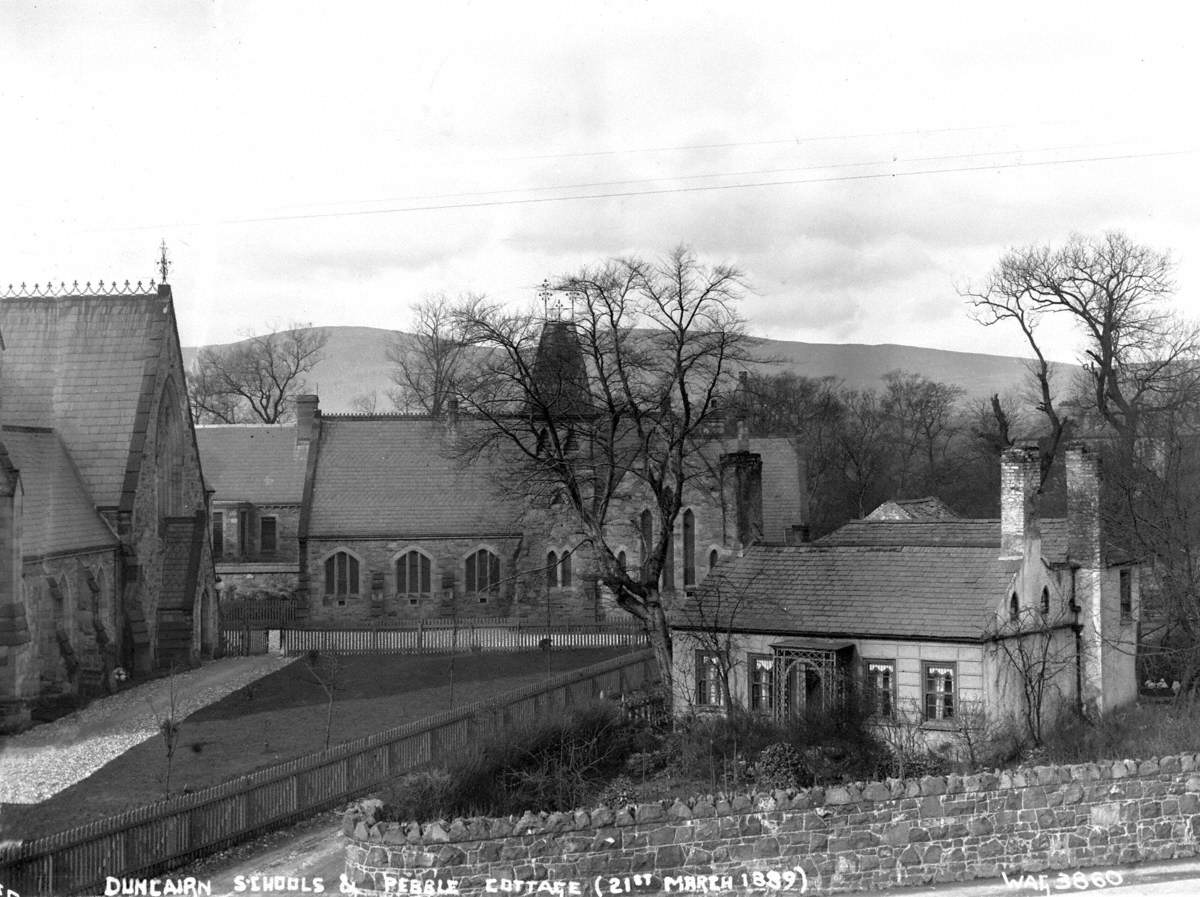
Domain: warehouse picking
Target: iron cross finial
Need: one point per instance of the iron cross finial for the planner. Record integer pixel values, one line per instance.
(163, 262)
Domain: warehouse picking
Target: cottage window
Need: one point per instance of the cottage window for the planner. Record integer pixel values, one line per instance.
(708, 679)
(1125, 578)
(623, 561)
(880, 687)
(1014, 608)
(341, 575)
(1045, 601)
(483, 572)
(551, 570)
(267, 535)
(218, 535)
(414, 574)
(564, 567)
(713, 557)
(689, 548)
(940, 693)
(762, 682)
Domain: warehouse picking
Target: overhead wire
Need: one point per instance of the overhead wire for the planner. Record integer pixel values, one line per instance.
(625, 194)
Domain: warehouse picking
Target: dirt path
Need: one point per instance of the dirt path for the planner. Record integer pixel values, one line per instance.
(48, 758)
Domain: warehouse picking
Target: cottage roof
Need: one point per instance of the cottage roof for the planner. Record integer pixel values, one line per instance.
(963, 533)
(58, 516)
(396, 477)
(848, 591)
(928, 508)
(262, 464)
(82, 366)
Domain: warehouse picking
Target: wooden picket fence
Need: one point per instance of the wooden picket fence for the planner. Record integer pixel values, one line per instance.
(165, 834)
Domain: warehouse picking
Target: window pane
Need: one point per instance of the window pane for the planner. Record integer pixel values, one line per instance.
(551, 570)
(470, 577)
(218, 534)
(329, 574)
(353, 574)
(566, 571)
(493, 571)
(266, 540)
(689, 548)
(426, 576)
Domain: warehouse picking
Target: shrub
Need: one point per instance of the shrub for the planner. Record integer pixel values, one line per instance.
(561, 765)
(779, 765)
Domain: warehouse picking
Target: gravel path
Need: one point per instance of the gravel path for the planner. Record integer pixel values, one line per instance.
(48, 758)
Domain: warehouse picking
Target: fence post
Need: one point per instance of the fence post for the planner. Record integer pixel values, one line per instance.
(420, 634)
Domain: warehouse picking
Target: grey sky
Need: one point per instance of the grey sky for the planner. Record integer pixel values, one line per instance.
(304, 161)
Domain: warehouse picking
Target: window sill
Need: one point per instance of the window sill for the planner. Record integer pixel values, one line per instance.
(940, 725)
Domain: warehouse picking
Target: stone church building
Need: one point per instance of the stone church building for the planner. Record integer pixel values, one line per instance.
(105, 560)
(375, 518)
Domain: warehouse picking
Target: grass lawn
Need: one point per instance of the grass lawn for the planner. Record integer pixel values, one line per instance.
(283, 716)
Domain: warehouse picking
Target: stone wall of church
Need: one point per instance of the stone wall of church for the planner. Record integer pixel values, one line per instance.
(142, 533)
(74, 625)
(377, 601)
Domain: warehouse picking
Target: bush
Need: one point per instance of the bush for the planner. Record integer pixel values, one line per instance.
(779, 765)
(1131, 732)
(559, 766)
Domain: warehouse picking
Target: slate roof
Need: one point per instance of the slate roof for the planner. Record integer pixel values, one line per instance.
(964, 533)
(58, 514)
(263, 464)
(78, 365)
(912, 592)
(393, 477)
(928, 508)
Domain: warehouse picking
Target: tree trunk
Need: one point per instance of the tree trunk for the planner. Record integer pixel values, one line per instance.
(660, 642)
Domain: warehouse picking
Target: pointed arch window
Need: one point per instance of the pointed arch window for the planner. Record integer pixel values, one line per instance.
(552, 570)
(1045, 601)
(689, 549)
(1014, 608)
(483, 572)
(714, 557)
(414, 574)
(341, 574)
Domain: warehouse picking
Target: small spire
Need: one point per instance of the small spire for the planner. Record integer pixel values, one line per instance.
(164, 263)
(545, 294)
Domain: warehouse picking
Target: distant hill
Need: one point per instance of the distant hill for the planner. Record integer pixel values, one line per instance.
(356, 364)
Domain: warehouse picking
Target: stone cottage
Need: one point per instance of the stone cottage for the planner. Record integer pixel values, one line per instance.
(923, 613)
(102, 506)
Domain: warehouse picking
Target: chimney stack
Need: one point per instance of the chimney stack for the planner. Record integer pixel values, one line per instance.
(1020, 475)
(1083, 506)
(308, 416)
(741, 498)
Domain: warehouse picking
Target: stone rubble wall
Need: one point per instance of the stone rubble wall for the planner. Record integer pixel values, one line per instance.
(845, 838)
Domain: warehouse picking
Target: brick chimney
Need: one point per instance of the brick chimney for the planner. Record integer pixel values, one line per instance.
(741, 495)
(1020, 474)
(452, 418)
(1084, 531)
(308, 418)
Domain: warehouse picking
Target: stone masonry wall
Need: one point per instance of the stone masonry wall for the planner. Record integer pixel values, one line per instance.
(842, 838)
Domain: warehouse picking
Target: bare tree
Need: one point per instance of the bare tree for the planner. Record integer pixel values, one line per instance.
(430, 361)
(1037, 652)
(256, 379)
(614, 406)
(922, 417)
(1140, 390)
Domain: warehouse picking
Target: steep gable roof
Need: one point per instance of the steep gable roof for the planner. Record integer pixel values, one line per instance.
(928, 508)
(59, 516)
(395, 477)
(262, 464)
(80, 365)
(913, 592)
